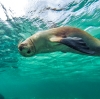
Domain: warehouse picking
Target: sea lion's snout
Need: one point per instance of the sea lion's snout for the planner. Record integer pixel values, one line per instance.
(21, 46)
(26, 49)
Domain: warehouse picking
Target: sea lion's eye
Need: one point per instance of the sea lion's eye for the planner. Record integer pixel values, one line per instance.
(28, 51)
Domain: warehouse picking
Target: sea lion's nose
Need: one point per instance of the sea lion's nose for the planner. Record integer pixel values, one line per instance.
(21, 48)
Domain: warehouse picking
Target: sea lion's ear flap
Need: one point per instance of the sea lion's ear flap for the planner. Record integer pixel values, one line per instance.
(77, 44)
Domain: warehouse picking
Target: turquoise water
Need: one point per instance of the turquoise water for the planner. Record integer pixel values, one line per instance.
(51, 75)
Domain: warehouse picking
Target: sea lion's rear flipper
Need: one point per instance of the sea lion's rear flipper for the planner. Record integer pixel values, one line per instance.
(77, 44)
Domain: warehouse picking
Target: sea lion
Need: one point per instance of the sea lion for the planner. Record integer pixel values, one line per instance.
(64, 39)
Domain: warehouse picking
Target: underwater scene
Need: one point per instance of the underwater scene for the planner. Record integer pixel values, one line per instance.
(53, 75)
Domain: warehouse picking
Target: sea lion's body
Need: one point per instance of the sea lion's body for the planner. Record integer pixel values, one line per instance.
(64, 39)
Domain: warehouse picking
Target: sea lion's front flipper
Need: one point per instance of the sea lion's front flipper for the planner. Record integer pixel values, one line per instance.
(77, 44)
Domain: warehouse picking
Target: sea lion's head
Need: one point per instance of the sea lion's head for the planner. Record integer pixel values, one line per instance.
(27, 48)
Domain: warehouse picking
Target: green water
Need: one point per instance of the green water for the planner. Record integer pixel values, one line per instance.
(51, 75)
